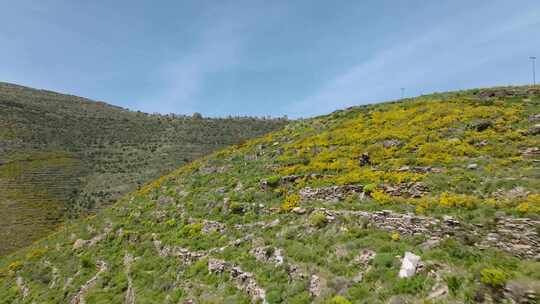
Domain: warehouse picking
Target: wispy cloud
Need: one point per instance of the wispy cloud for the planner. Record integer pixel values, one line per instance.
(219, 47)
(421, 63)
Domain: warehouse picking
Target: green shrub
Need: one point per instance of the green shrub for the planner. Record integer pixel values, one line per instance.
(192, 230)
(318, 219)
(339, 300)
(494, 277)
(274, 296)
(369, 188)
(412, 285)
(273, 181)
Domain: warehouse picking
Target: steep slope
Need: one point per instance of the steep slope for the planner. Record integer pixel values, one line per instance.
(323, 211)
(65, 154)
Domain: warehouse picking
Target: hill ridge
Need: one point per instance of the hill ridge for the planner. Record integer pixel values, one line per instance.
(326, 210)
(62, 154)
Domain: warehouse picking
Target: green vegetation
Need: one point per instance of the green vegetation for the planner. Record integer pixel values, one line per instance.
(62, 155)
(445, 177)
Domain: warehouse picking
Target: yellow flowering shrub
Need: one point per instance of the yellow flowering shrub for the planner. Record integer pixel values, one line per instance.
(530, 205)
(448, 200)
(290, 202)
(381, 197)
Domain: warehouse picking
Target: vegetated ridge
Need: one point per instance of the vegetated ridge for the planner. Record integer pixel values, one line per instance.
(427, 200)
(62, 155)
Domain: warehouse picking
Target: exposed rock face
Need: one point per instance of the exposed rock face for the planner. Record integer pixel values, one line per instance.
(212, 226)
(518, 237)
(80, 243)
(419, 169)
(25, 291)
(515, 235)
(365, 257)
(268, 254)
(529, 152)
(216, 265)
(534, 117)
(292, 178)
(316, 286)
(410, 189)
(521, 292)
(288, 179)
(295, 273)
(184, 254)
(408, 265)
(514, 193)
(389, 143)
(534, 130)
(130, 292)
(79, 297)
(165, 200)
(299, 210)
(244, 280)
(331, 193)
(472, 166)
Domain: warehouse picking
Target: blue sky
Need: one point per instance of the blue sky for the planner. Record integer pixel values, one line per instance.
(295, 58)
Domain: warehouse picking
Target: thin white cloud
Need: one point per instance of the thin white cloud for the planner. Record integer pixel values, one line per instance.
(220, 46)
(434, 57)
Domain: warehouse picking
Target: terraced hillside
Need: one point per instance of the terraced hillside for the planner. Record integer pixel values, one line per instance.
(429, 200)
(62, 154)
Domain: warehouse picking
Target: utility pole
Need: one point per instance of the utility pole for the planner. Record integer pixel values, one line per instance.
(402, 93)
(533, 61)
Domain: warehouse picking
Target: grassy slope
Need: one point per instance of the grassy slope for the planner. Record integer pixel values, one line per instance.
(65, 154)
(444, 131)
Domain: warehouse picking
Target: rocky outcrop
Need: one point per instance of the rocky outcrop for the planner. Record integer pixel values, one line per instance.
(408, 265)
(531, 152)
(79, 297)
(331, 193)
(365, 257)
(130, 292)
(80, 243)
(212, 226)
(512, 194)
(534, 130)
(288, 179)
(419, 169)
(410, 189)
(186, 255)
(389, 143)
(534, 117)
(23, 288)
(316, 285)
(518, 237)
(269, 255)
(244, 281)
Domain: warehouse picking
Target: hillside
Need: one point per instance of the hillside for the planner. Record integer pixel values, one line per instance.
(63, 155)
(427, 200)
